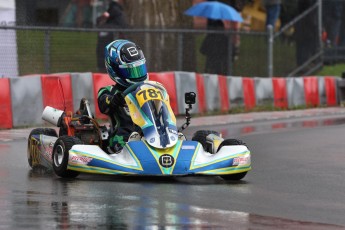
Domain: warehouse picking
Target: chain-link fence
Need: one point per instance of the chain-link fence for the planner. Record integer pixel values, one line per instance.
(52, 49)
(300, 39)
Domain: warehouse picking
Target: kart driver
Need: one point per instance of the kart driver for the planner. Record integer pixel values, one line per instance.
(125, 64)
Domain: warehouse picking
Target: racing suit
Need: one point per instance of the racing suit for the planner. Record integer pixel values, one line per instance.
(111, 103)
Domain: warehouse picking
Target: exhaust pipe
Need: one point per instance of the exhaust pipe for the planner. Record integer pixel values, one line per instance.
(52, 115)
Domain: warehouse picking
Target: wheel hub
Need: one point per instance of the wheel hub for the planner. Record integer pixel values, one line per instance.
(58, 156)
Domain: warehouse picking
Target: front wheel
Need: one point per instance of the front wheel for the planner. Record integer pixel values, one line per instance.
(200, 136)
(237, 176)
(61, 154)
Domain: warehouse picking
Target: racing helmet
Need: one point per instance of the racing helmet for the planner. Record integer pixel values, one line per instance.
(125, 62)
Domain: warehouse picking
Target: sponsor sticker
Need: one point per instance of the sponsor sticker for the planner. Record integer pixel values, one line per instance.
(80, 160)
(240, 161)
(132, 51)
(188, 147)
(166, 161)
(49, 150)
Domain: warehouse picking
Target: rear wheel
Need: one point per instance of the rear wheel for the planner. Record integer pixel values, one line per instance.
(200, 136)
(31, 148)
(237, 176)
(61, 154)
(63, 131)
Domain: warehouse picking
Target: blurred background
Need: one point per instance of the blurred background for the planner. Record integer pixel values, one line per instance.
(48, 36)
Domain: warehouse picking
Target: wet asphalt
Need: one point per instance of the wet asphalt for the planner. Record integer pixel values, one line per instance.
(297, 182)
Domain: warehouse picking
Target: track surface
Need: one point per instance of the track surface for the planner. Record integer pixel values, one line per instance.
(297, 182)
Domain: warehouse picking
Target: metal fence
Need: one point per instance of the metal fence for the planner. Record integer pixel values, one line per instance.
(41, 50)
(304, 46)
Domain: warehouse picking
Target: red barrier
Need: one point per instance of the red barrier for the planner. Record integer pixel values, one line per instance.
(223, 93)
(168, 81)
(331, 89)
(5, 104)
(311, 91)
(249, 92)
(100, 80)
(280, 93)
(201, 94)
(57, 91)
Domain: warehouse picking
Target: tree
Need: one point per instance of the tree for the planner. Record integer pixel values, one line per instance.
(160, 48)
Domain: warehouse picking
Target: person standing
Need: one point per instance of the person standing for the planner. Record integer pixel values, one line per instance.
(77, 14)
(215, 48)
(306, 35)
(342, 35)
(332, 13)
(113, 17)
(272, 11)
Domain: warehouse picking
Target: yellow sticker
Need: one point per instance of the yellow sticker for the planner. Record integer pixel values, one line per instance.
(145, 95)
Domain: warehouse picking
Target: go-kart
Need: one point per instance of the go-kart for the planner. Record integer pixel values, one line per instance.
(160, 149)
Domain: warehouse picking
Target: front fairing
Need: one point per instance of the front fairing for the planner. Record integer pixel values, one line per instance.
(150, 109)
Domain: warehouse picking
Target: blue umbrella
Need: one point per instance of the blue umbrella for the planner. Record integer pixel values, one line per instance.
(214, 10)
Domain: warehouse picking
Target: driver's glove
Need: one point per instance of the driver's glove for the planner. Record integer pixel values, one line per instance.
(118, 100)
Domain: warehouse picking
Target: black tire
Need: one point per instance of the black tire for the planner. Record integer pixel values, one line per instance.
(200, 136)
(62, 131)
(60, 156)
(237, 176)
(38, 131)
(234, 177)
(230, 142)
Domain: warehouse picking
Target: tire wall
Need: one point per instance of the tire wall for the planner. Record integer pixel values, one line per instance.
(235, 91)
(280, 93)
(330, 84)
(24, 98)
(264, 91)
(249, 93)
(185, 82)
(27, 101)
(81, 85)
(295, 90)
(99, 80)
(57, 91)
(168, 80)
(311, 91)
(5, 104)
(213, 102)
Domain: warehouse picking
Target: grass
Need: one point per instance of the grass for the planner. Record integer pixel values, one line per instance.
(69, 52)
(76, 52)
(332, 70)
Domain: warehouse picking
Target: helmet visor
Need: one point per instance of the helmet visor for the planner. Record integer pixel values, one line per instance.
(133, 71)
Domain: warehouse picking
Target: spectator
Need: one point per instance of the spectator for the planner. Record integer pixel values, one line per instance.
(332, 25)
(272, 11)
(215, 48)
(307, 39)
(333, 11)
(236, 26)
(78, 14)
(288, 12)
(342, 35)
(114, 17)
